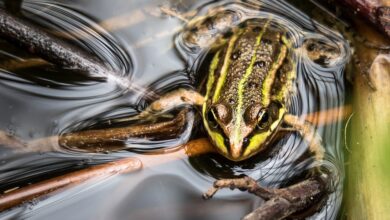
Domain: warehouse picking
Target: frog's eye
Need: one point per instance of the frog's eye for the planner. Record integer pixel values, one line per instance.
(264, 119)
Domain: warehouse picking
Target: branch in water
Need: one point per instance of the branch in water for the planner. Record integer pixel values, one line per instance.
(305, 196)
(60, 53)
(54, 50)
(290, 200)
(21, 195)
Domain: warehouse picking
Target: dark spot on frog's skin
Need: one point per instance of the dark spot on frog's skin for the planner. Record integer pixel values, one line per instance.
(252, 85)
(311, 47)
(259, 64)
(236, 55)
(209, 23)
(266, 41)
(256, 29)
(231, 101)
(228, 34)
(322, 60)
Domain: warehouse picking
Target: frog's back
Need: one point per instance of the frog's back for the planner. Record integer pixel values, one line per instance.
(251, 67)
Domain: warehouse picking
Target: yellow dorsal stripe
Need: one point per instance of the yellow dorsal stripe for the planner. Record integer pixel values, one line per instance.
(241, 86)
(225, 67)
(270, 77)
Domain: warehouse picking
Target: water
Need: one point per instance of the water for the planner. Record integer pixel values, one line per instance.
(147, 48)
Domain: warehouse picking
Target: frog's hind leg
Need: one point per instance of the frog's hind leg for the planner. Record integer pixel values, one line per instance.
(169, 101)
(307, 131)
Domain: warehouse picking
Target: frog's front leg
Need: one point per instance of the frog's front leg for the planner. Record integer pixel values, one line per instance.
(170, 101)
(245, 183)
(307, 131)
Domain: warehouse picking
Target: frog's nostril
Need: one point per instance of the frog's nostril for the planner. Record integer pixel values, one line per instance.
(245, 142)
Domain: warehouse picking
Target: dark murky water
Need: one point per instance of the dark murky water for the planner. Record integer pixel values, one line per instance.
(146, 49)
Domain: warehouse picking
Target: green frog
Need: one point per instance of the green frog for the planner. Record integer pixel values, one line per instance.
(245, 97)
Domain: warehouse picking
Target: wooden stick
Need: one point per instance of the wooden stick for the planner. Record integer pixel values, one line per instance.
(60, 53)
(329, 116)
(43, 45)
(290, 200)
(19, 196)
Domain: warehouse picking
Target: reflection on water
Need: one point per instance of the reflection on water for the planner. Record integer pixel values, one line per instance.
(149, 49)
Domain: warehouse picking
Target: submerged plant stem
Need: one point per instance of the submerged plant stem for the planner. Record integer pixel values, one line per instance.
(38, 42)
(58, 52)
(21, 195)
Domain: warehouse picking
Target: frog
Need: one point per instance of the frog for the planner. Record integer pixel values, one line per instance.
(244, 99)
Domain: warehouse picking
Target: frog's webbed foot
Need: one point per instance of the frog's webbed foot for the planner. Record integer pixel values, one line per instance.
(167, 102)
(280, 203)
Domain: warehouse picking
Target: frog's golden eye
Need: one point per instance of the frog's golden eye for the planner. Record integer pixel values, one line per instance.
(264, 119)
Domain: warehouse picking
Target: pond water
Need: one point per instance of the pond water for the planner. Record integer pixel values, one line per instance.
(147, 49)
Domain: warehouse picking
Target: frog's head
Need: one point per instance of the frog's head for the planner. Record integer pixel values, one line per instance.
(238, 133)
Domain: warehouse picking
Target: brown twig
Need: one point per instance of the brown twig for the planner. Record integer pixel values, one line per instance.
(329, 116)
(19, 196)
(43, 45)
(280, 203)
(290, 200)
(60, 53)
